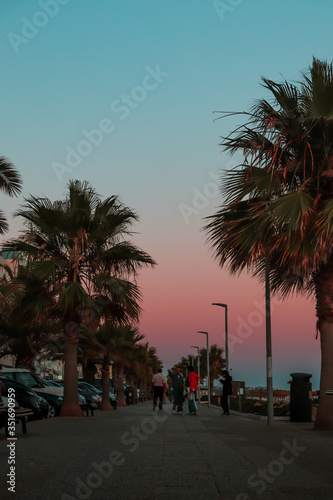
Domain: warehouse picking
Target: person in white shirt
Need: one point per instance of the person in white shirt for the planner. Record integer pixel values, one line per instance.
(159, 385)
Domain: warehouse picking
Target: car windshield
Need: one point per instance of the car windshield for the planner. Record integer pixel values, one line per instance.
(88, 386)
(7, 382)
(54, 383)
(26, 378)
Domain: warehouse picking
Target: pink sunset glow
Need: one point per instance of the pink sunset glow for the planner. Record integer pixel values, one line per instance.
(159, 72)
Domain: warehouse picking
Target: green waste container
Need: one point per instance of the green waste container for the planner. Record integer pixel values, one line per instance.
(300, 397)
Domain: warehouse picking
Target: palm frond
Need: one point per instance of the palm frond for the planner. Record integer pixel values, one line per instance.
(278, 201)
(10, 179)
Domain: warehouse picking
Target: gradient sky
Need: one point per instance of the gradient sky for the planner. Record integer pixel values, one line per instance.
(149, 74)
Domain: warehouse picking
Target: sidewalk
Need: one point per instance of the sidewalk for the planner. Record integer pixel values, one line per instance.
(137, 453)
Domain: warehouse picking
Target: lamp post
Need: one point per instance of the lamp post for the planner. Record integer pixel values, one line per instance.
(208, 368)
(270, 410)
(197, 347)
(226, 333)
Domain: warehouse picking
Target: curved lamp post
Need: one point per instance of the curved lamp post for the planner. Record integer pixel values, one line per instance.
(208, 368)
(197, 347)
(226, 333)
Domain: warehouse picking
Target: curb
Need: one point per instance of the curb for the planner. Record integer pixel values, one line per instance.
(252, 415)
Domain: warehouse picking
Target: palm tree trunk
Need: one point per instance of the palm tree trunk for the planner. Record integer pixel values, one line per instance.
(70, 406)
(134, 384)
(135, 387)
(120, 384)
(141, 387)
(105, 405)
(324, 306)
(146, 391)
(324, 418)
(89, 369)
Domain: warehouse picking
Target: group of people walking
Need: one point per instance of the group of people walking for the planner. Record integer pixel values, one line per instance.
(159, 385)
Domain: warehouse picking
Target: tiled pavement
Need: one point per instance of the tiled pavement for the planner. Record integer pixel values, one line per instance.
(135, 453)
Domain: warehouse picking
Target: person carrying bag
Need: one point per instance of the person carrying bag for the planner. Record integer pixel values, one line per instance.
(193, 388)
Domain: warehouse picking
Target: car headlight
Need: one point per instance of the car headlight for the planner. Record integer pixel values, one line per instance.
(60, 398)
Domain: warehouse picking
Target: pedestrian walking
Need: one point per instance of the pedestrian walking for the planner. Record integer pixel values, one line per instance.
(169, 393)
(226, 382)
(177, 382)
(193, 389)
(159, 383)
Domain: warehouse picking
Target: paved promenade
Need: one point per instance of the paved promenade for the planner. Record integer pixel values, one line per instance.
(135, 453)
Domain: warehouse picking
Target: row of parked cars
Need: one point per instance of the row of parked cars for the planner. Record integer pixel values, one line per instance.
(44, 397)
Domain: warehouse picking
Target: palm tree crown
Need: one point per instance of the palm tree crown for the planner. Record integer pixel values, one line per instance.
(78, 246)
(278, 203)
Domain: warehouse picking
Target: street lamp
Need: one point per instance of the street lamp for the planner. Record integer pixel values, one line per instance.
(208, 368)
(226, 333)
(269, 374)
(197, 347)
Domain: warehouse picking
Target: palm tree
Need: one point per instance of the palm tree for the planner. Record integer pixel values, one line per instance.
(124, 341)
(216, 363)
(184, 362)
(142, 364)
(10, 183)
(111, 341)
(79, 247)
(24, 331)
(278, 204)
(153, 364)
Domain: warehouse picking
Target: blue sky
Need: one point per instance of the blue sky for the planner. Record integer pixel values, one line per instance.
(67, 67)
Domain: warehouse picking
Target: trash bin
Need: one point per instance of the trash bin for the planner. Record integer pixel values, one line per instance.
(129, 395)
(300, 397)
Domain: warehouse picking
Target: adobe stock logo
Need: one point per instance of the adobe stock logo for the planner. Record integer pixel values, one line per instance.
(275, 468)
(203, 196)
(102, 471)
(123, 106)
(30, 28)
(226, 6)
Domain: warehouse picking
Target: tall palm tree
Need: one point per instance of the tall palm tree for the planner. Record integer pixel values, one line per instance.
(278, 204)
(152, 365)
(10, 183)
(125, 341)
(145, 363)
(80, 247)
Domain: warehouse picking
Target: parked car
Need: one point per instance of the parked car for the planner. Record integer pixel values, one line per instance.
(26, 398)
(113, 397)
(53, 395)
(53, 402)
(54, 383)
(93, 398)
(45, 407)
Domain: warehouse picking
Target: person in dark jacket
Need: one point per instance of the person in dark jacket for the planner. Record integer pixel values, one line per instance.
(226, 382)
(177, 382)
